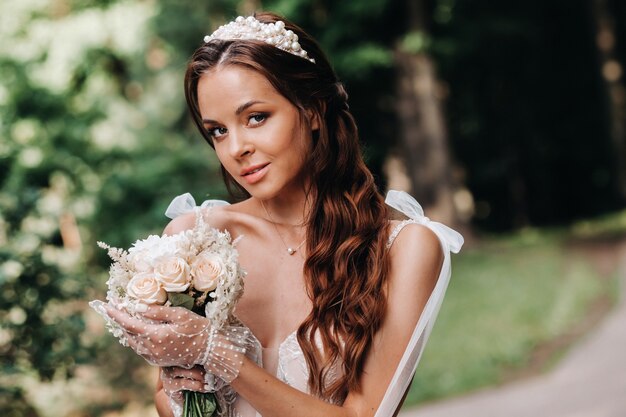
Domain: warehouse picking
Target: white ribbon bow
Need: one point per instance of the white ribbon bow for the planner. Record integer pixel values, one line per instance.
(406, 204)
(185, 203)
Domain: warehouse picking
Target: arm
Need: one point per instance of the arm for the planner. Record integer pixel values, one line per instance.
(416, 259)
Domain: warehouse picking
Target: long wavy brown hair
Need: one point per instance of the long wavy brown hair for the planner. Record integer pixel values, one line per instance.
(347, 263)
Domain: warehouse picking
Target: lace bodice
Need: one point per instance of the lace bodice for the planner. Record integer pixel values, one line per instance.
(287, 361)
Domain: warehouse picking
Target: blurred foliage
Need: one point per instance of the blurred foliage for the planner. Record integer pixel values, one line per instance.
(95, 139)
(607, 227)
(13, 403)
(90, 150)
(528, 109)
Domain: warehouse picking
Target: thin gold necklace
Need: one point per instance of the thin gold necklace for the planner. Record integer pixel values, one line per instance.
(290, 250)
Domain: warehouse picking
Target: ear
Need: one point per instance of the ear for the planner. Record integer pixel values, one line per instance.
(314, 119)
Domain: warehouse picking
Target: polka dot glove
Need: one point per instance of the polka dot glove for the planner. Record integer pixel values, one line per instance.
(174, 336)
(176, 380)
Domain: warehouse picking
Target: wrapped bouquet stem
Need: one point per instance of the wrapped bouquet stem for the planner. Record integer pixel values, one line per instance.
(171, 299)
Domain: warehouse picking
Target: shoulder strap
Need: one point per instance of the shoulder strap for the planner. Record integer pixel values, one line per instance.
(396, 231)
(451, 241)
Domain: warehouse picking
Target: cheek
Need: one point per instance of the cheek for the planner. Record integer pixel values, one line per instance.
(304, 146)
(222, 156)
(230, 166)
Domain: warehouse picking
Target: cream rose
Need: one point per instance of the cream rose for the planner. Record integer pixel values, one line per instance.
(141, 261)
(147, 289)
(140, 254)
(206, 270)
(173, 273)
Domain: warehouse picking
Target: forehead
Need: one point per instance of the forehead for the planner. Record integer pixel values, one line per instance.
(234, 85)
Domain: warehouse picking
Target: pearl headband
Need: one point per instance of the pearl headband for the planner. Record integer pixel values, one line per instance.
(270, 33)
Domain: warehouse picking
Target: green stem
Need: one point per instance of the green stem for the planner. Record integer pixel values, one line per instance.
(185, 403)
(196, 405)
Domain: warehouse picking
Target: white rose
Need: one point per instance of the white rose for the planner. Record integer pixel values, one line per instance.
(173, 273)
(141, 261)
(147, 289)
(145, 245)
(206, 270)
(169, 246)
(145, 253)
(141, 253)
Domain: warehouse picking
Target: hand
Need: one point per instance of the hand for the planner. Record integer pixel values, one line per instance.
(174, 381)
(177, 379)
(165, 336)
(174, 336)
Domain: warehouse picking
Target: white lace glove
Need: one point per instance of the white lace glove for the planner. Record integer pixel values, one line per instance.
(175, 336)
(176, 380)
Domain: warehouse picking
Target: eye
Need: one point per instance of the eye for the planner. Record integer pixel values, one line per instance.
(257, 118)
(217, 132)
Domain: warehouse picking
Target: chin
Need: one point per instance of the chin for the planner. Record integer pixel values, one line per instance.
(268, 192)
(260, 191)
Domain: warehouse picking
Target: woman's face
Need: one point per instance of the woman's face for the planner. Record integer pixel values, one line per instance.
(257, 133)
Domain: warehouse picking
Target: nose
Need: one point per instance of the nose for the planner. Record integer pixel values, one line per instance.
(240, 144)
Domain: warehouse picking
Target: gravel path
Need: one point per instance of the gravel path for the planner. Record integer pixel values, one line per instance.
(590, 381)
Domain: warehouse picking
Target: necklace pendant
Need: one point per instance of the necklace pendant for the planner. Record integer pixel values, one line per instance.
(291, 251)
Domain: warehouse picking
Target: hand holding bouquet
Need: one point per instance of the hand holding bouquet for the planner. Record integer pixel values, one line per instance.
(196, 271)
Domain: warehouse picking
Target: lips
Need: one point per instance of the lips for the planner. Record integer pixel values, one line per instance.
(255, 173)
(253, 169)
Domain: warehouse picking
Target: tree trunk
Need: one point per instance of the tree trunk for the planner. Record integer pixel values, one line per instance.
(423, 134)
(612, 74)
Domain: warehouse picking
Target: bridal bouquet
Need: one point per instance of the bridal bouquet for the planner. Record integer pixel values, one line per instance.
(197, 269)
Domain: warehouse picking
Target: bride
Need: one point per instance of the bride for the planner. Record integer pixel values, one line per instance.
(339, 300)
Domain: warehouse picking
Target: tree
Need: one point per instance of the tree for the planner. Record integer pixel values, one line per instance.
(612, 74)
(526, 110)
(420, 112)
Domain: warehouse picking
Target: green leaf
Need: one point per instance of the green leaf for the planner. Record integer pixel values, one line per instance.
(208, 404)
(181, 300)
(360, 59)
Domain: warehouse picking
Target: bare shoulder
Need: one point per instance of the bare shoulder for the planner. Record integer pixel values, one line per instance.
(221, 217)
(416, 258)
(415, 240)
(180, 224)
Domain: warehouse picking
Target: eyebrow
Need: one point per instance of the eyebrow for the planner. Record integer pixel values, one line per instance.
(239, 110)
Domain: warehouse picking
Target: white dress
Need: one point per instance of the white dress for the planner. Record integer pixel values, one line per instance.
(287, 361)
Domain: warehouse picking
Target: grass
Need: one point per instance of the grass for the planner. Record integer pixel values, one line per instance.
(606, 226)
(507, 298)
